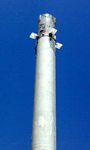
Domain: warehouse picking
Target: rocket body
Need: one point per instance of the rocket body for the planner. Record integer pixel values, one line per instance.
(44, 110)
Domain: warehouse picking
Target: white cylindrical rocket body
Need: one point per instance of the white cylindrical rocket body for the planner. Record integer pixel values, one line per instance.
(44, 111)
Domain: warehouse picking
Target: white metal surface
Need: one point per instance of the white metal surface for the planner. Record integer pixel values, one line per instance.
(44, 114)
(53, 31)
(44, 111)
(33, 35)
(58, 45)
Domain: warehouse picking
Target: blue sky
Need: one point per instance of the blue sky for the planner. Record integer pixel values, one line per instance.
(17, 70)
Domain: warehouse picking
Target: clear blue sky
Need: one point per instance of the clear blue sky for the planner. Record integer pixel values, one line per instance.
(17, 69)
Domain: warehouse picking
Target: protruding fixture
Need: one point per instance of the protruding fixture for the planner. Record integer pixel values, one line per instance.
(53, 31)
(33, 35)
(58, 45)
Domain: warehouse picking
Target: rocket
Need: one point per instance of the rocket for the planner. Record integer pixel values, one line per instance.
(44, 109)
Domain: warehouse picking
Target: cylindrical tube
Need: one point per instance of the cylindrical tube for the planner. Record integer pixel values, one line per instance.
(44, 111)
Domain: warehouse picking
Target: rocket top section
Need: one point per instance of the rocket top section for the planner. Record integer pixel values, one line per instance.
(46, 27)
(46, 23)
